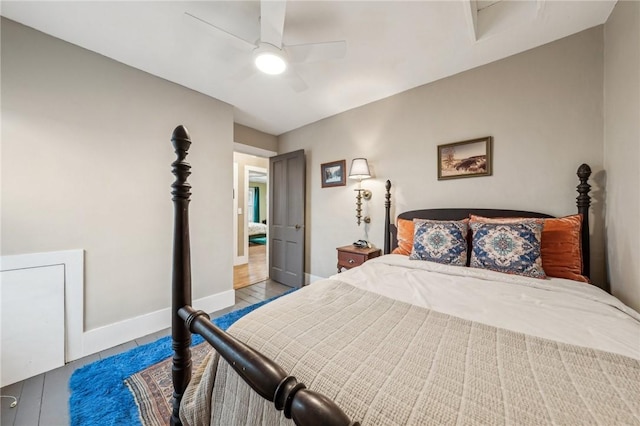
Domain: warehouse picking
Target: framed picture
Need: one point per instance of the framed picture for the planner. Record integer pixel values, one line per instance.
(465, 159)
(334, 173)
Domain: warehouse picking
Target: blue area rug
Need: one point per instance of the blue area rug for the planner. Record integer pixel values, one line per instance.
(99, 395)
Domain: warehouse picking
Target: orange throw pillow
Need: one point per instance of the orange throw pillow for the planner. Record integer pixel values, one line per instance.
(405, 237)
(560, 248)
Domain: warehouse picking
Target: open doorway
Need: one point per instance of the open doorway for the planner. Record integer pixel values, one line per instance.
(251, 224)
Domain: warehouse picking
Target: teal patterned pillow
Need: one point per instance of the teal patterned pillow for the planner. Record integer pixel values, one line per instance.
(440, 241)
(513, 248)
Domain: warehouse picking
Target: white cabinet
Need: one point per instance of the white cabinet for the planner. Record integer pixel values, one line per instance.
(33, 326)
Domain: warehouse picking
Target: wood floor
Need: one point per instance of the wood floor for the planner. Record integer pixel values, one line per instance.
(43, 400)
(254, 271)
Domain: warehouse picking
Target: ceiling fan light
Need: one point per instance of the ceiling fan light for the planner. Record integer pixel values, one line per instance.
(269, 59)
(270, 63)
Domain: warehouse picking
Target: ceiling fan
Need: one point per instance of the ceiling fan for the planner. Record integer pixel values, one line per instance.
(269, 54)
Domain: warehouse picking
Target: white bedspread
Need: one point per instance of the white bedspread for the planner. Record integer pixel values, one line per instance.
(257, 228)
(386, 362)
(558, 309)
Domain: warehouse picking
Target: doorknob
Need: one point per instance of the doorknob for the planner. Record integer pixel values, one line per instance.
(298, 226)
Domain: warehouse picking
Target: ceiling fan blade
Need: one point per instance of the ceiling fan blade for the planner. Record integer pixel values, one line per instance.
(313, 52)
(243, 74)
(295, 81)
(209, 27)
(272, 21)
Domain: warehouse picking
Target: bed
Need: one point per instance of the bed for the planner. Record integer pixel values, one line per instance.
(257, 233)
(402, 340)
(256, 229)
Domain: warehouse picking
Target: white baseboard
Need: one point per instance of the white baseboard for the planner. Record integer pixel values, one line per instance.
(115, 334)
(310, 279)
(80, 343)
(240, 260)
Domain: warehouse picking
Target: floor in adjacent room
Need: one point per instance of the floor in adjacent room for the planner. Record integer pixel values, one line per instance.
(43, 400)
(255, 270)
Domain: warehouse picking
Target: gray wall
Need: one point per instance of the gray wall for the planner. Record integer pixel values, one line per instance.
(622, 149)
(250, 136)
(543, 107)
(86, 160)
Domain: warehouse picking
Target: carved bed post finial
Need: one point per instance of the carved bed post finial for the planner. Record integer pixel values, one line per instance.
(181, 280)
(387, 217)
(181, 169)
(583, 203)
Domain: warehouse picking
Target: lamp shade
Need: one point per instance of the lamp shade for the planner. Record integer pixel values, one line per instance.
(359, 169)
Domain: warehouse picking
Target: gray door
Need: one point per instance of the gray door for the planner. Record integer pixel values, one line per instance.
(286, 218)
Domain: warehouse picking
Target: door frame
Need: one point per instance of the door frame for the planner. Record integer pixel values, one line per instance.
(237, 260)
(249, 150)
(248, 169)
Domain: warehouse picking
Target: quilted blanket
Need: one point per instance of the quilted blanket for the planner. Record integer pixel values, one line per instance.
(386, 362)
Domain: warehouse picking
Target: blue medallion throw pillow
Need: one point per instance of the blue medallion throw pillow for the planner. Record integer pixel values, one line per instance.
(440, 241)
(513, 248)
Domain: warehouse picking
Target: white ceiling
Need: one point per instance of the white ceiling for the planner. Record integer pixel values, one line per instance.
(392, 46)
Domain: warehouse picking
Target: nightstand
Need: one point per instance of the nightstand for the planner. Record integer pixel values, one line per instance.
(350, 256)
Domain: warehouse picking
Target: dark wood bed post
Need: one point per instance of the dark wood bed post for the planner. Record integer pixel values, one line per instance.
(387, 217)
(181, 280)
(583, 203)
(265, 376)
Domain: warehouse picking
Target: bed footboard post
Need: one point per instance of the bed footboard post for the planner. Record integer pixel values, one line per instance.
(387, 217)
(583, 203)
(181, 279)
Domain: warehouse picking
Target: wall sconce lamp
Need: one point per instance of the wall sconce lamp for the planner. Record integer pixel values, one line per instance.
(360, 170)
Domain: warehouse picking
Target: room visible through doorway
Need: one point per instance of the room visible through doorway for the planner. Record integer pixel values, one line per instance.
(250, 209)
